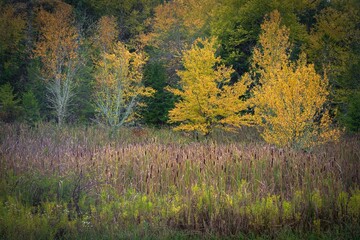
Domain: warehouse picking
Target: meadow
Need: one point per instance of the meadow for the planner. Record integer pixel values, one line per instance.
(143, 183)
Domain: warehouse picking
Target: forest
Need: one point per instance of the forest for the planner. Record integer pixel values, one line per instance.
(186, 119)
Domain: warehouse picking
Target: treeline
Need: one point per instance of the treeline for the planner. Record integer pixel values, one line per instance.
(117, 62)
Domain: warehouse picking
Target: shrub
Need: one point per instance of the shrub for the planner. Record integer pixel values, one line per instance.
(31, 108)
(9, 105)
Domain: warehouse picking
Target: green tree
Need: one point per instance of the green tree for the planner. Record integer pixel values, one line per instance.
(157, 107)
(334, 44)
(12, 35)
(130, 14)
(174, 27)
(351, 118)
(31, 108)
(236, 23)
(9, 104)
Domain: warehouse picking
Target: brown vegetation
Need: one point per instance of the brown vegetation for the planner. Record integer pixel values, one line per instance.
(211, 187)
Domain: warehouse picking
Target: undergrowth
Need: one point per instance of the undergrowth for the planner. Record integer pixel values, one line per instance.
(79, 183)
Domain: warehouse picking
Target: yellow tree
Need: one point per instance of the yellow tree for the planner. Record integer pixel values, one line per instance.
(58, 50)
(174, 27)
(207, 99)
(290, 96)
(118, 76)
(106, 33)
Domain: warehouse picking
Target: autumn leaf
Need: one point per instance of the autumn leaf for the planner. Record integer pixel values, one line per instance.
(119, 85)
(290, 96)
(207, 99)
(58, 50)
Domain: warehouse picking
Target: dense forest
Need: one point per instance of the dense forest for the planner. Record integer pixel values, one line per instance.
(65, 61)
(185, 119)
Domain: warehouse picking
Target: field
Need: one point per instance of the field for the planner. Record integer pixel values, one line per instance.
(79, 183)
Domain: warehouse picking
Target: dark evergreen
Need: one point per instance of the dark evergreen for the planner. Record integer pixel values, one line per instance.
(158, 106)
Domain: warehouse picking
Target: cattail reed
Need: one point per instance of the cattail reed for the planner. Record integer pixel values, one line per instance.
(215, 186)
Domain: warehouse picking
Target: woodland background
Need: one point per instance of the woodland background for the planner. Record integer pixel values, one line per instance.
(327, 31)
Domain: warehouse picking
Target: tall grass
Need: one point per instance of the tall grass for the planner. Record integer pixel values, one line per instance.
(224, 186)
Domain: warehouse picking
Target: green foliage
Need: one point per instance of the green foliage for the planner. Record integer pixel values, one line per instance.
(332, 40)
(351, 117)
(83, 110)
(237, 25)
(112, 214)
(354, 205)
(157, 107)
(9, 105)
(38, 87)
(35, 189)
(334, 44)
(131, 14)
(12, 34)
(31, 108)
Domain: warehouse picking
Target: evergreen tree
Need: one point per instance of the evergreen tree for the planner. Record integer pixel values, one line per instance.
(157, 107)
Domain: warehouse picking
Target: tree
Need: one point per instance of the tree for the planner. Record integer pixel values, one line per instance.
(9, 104)
(57, 48)
(174, 27)
(106, 33)
(334, 43)
(334, 38)
(236, 23)
(12, 26)
(130, 14)
(30, 107)
(118, 75)
(290, 97)
(352, 117)
(207, 99)
(119, 85)
(157, 106)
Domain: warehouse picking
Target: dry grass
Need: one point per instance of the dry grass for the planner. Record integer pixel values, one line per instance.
(222, 186)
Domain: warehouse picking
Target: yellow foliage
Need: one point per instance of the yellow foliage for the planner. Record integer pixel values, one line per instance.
(174, 27)
(354, 204)
(119, 84)
(287, 210)
(264, 211)
(192, 14)
(59, 42)
(290, 96)
(207, 99)
(106, 33)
